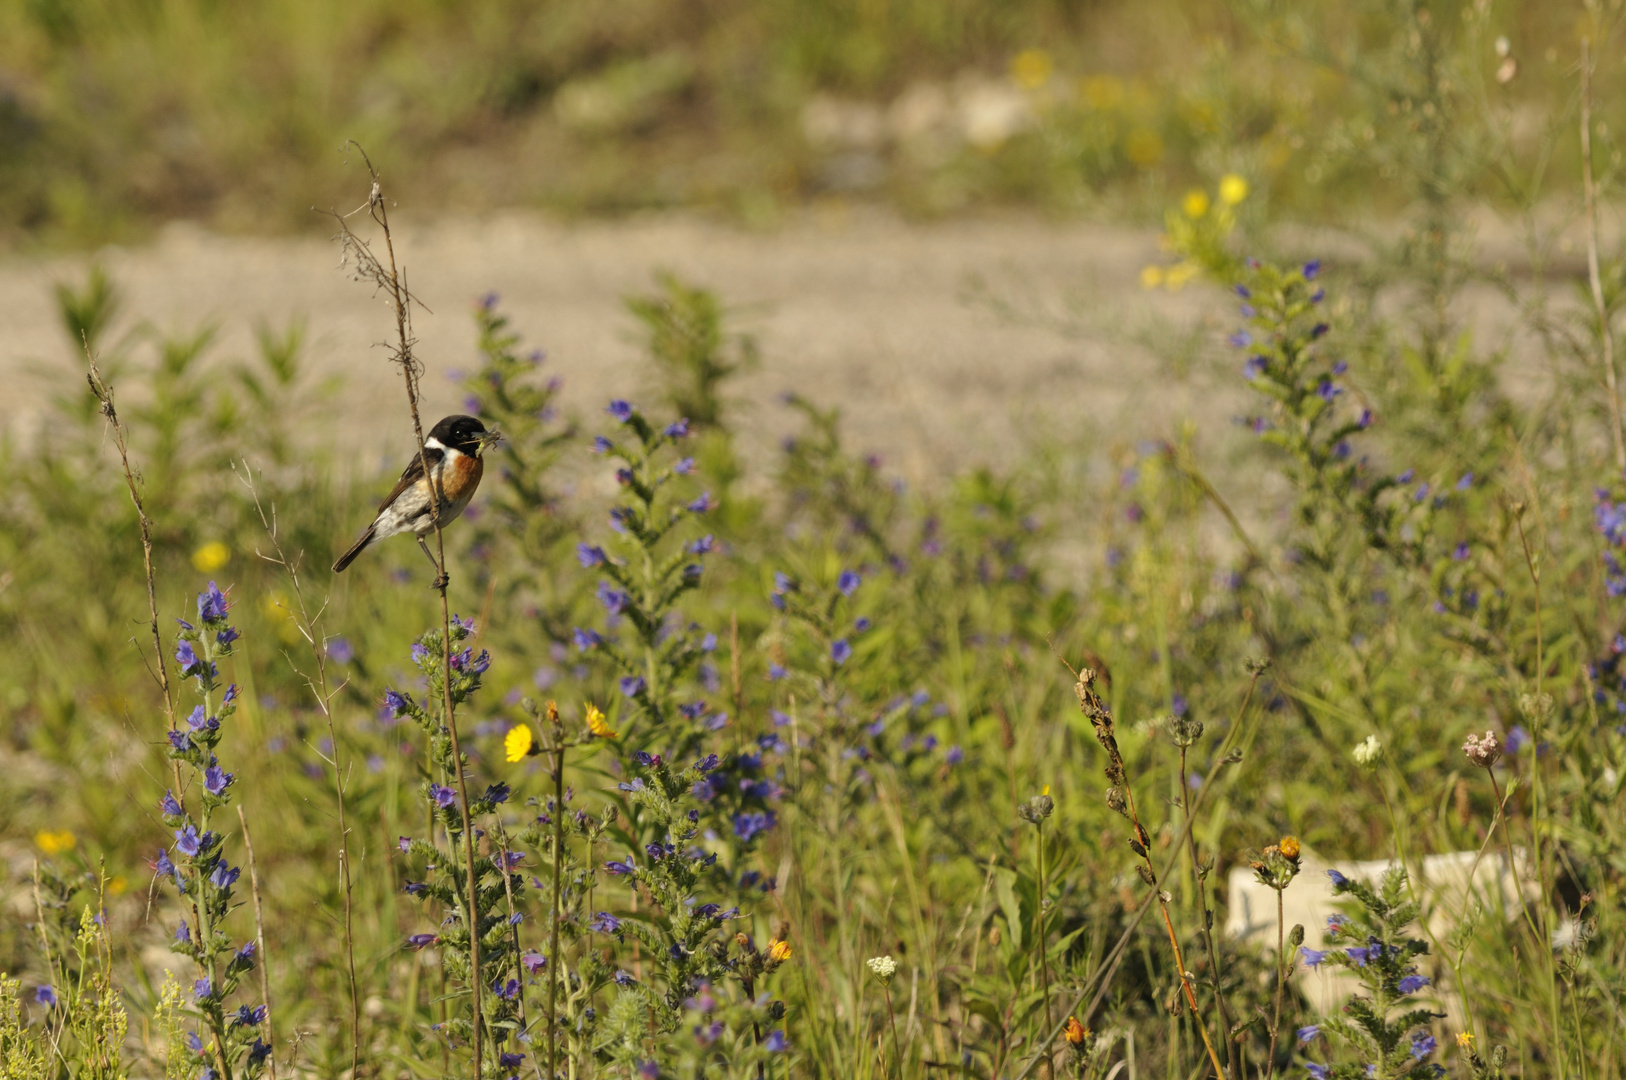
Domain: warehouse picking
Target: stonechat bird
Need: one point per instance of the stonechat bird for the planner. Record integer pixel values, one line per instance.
(453, 450)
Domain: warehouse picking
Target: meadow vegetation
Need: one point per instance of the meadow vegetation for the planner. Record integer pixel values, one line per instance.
(705, 765)
(117, 114)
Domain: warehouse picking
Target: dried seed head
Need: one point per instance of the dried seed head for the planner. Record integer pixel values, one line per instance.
(1116, 800)
(1145, 874)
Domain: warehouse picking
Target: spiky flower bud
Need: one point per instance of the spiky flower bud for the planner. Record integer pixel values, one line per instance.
(1185, 730)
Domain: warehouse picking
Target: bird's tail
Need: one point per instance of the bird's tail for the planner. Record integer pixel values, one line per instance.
(350, 556)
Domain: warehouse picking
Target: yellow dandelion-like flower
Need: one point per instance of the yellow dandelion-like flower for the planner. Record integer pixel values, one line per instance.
(117, 885)
(1195, 204)
(55, 842)
(1075, 1032)
(1232, 189)
(211, 557)
(597, 724)
(779, 951)
(517, 743)
(1032, 68)
(1289, 846)
(1151, 277)
(1465, 1039)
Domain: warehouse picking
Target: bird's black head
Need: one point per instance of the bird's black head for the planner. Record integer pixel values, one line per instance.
(462, 433)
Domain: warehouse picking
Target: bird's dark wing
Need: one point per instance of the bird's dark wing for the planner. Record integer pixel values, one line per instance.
(412, 475)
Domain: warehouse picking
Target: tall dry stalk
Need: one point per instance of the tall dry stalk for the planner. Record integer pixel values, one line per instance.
(391, 280)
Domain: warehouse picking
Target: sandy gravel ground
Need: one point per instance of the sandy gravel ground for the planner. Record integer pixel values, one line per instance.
(907, 326)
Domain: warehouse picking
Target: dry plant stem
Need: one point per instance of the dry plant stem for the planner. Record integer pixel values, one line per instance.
(1205, 921)
(553, 903)
(1174, 940)
(160, 670)
(1594, 277)
(1101, 977)
(324, 699)
(259, 940)
(104, 394)
(392, 281)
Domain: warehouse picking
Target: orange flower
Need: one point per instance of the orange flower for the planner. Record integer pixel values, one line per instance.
(1289, 846)
(1075, 1032)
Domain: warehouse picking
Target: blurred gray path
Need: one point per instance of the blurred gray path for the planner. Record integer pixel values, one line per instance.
(853, 308)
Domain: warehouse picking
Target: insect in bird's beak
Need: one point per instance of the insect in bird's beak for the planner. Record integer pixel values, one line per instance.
(489, 438)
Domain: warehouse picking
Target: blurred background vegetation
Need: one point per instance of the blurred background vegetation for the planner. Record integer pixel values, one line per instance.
(116, 114)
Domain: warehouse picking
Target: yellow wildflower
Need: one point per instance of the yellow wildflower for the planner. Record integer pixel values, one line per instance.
(1177, 275)
(211, 557)
(117, 884)
(597, 725)
(1195, 204)
(1232, 189)
(55, 842)
(1032, 68)
(1289, 846)
(778, 951)
(1151, 277)
(1144, 148)
(1075, 1032)
(517, 743)
(1465, 1039)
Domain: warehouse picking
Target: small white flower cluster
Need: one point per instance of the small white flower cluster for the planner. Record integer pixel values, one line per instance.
(1367, 753)
(883, 967)
(1483, 752)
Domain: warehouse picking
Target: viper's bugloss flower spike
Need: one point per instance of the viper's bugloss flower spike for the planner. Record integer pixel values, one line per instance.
(212, 606)
(621, 410)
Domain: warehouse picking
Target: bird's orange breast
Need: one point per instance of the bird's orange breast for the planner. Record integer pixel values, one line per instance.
(461, 476)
